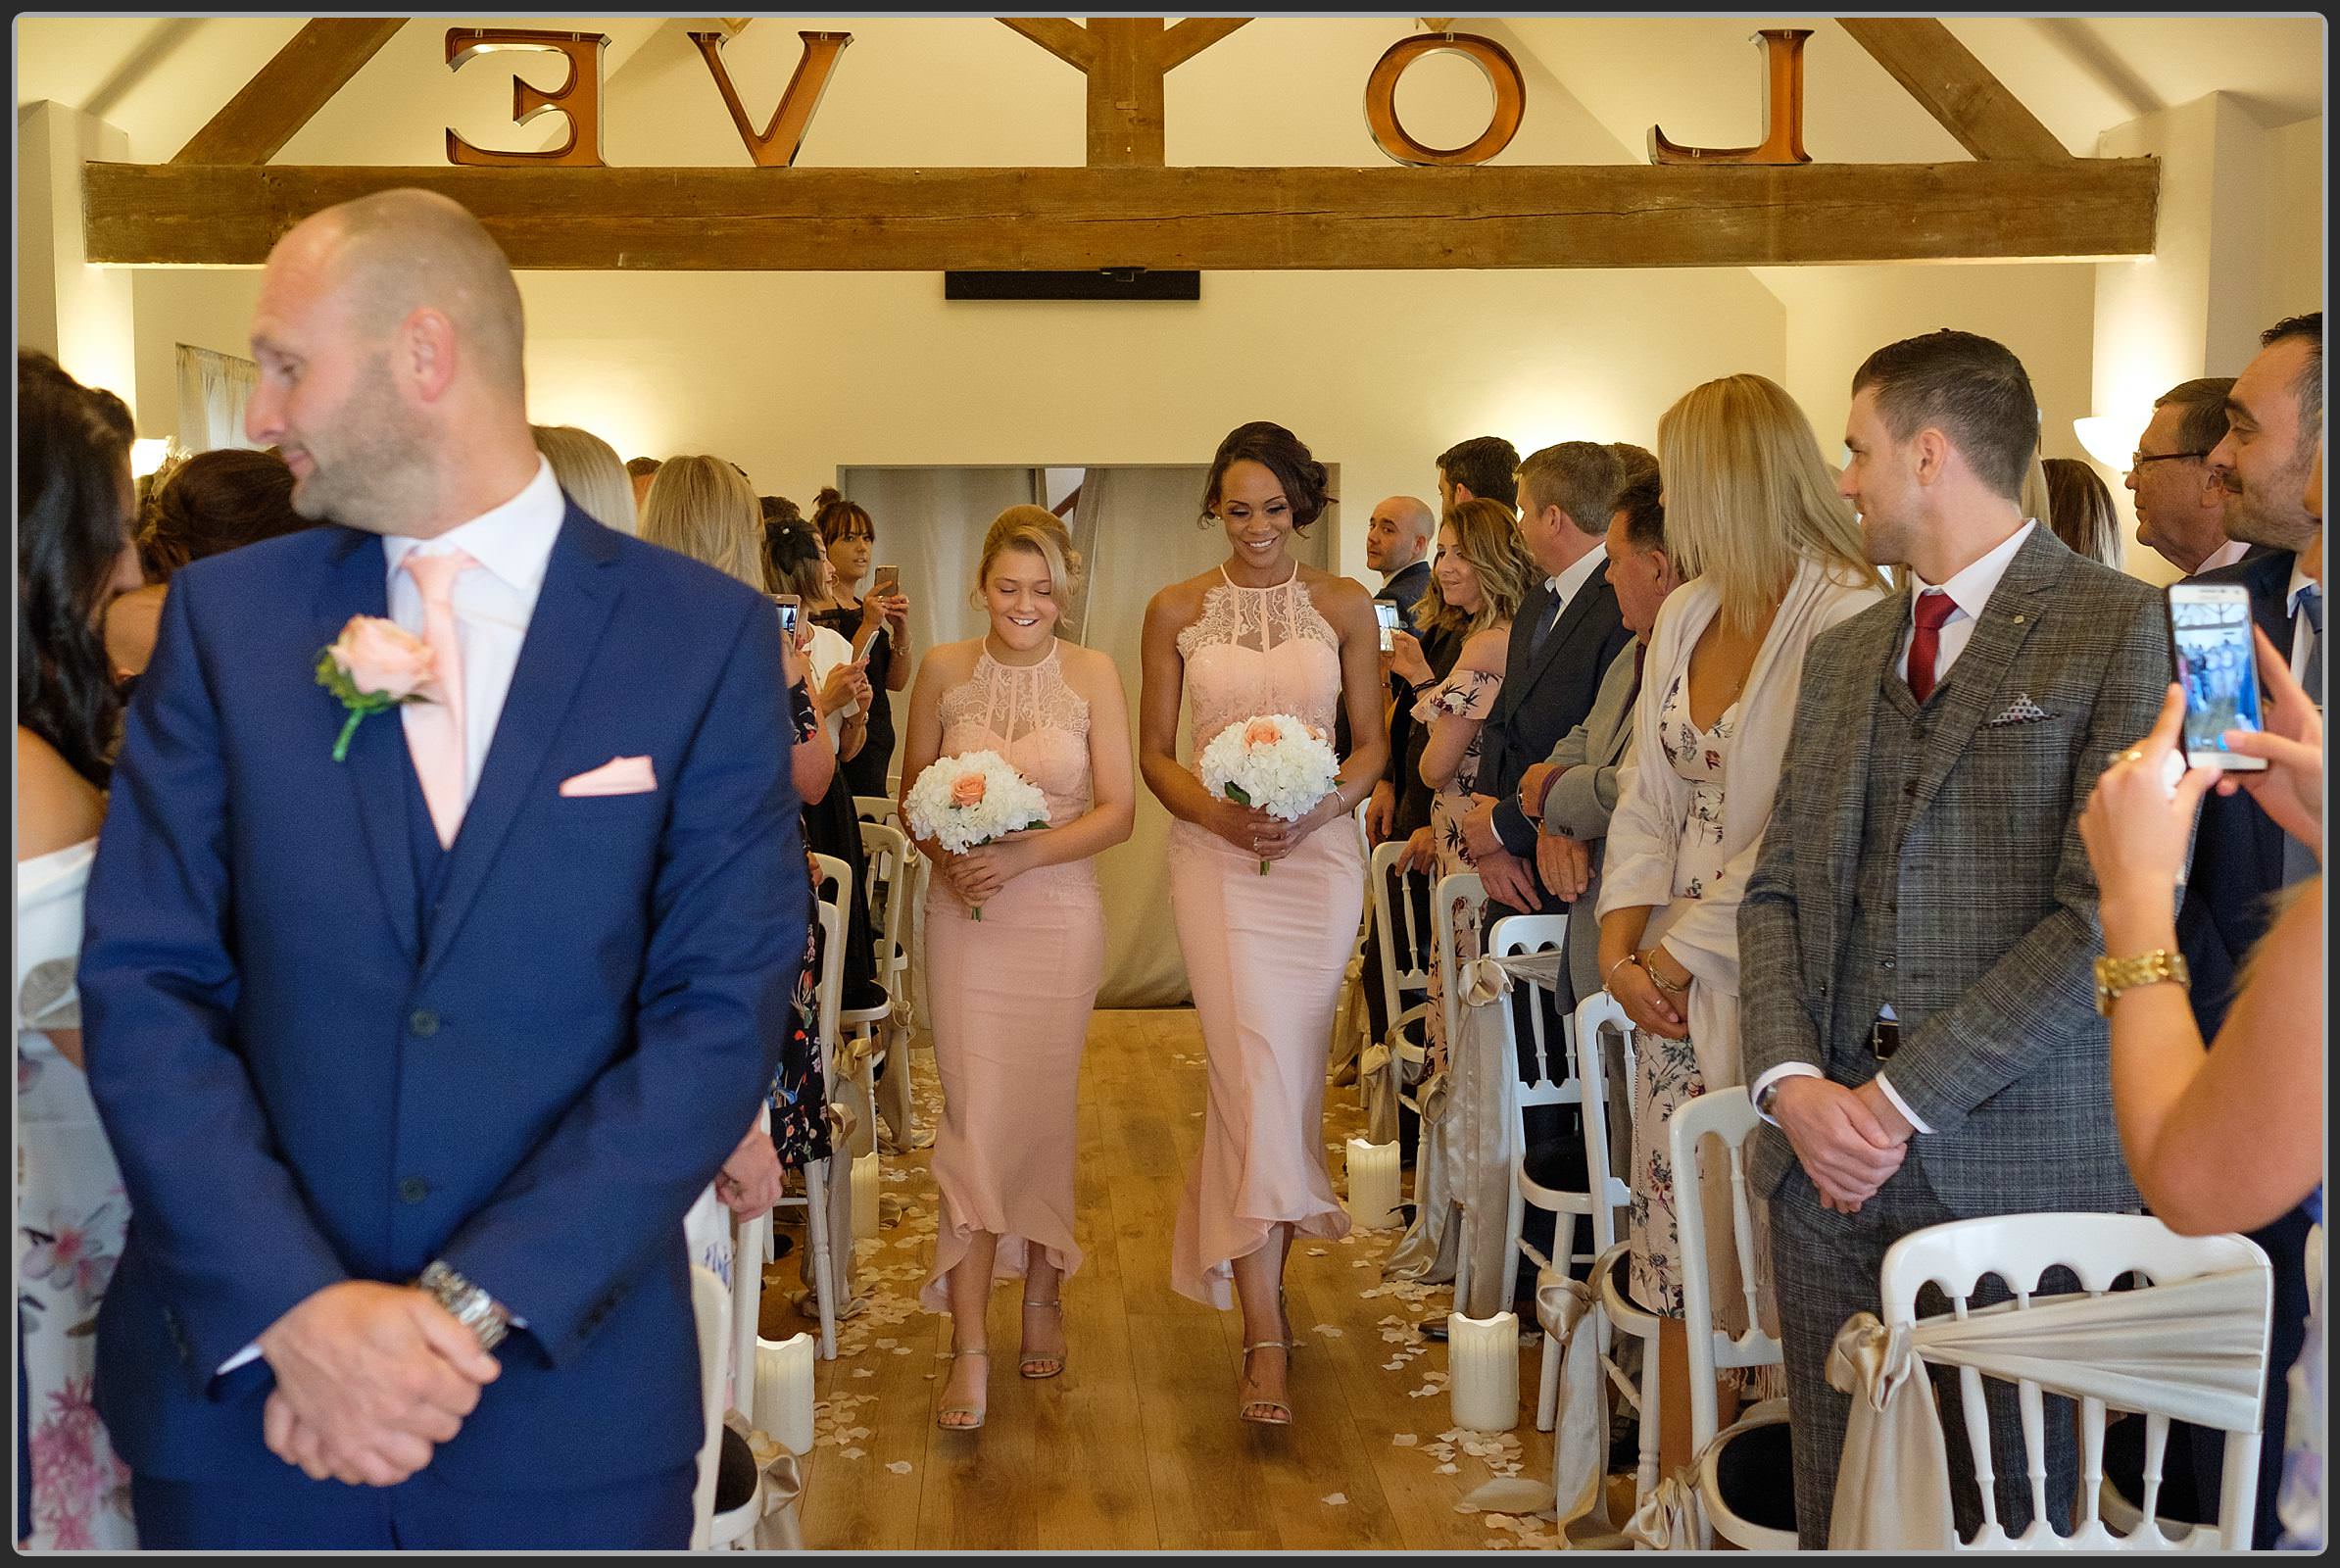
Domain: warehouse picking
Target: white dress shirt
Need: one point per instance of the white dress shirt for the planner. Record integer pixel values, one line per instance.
(493, 602)
(1970, 589)
(1567, 585)
(2227, 555)
(514, 545)
(2303, 635)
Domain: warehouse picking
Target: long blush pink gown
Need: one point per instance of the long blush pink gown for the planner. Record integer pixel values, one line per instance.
(1013, 991)
(1264, 955)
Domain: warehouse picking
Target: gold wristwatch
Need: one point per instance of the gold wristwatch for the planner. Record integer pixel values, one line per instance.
(2115, 976)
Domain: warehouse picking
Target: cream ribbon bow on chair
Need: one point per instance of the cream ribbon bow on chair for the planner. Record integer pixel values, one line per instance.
(2191, 1350)
(779, 1522)
(1581, 1430)
(1478, 1123)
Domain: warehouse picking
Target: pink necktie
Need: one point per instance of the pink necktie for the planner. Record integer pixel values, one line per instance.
(435, 729)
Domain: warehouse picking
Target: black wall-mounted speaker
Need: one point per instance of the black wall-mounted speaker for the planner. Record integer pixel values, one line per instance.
(1093, 283)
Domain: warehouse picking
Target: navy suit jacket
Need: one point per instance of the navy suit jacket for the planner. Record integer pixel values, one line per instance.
(311, 1075)
(2238, 849)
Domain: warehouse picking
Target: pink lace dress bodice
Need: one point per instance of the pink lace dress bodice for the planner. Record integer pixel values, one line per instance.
(1259, 651)
(1031, 716)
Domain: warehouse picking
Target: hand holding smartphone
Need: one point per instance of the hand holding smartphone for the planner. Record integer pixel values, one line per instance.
(790, 609)
(1387, 614)
(2209, 638)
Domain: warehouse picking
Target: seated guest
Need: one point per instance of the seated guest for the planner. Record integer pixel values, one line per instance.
(73, 555)
(211, 502)
(2231, 1140)
(588, 469)
(2180, 500)
(2080, 510)
(1772, 558)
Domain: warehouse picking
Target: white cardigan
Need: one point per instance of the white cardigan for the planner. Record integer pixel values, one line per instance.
(1653, 801)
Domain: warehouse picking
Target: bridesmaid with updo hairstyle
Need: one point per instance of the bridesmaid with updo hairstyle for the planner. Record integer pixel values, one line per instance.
(1013, 991)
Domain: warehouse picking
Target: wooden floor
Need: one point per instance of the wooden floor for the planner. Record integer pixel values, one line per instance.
(1137, 1444)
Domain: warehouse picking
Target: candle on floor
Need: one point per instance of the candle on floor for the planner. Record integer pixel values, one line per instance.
(1373, 1186)
(783, 1394)
(867, 1185)
(1483, 1366)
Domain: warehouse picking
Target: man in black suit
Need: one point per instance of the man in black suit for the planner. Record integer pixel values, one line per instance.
(2242, 860)
(1563, 639)
(1483, 466)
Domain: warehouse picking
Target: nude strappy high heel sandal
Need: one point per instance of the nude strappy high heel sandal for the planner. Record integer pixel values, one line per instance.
(964, 1409)
(1283, 1406)
(1049, 1364)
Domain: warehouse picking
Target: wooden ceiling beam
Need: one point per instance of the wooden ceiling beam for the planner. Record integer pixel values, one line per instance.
(1955, 88)
(1066, 39)
(1186, 39)
(289, 90)
(1224, 219)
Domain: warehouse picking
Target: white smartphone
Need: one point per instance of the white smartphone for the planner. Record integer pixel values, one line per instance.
(1387, 614)
(2210, 633)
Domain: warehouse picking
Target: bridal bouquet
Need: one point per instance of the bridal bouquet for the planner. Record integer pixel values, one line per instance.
(975, 798)
(1274, 762)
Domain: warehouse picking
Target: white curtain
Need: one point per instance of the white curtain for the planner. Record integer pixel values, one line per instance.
(213, 389)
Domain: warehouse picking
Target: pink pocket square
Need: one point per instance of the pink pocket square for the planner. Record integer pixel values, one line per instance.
(619, 775)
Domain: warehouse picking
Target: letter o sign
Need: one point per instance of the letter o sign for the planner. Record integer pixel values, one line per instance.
(1502, 75)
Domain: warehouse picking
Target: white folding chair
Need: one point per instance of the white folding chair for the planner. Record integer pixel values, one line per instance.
(886, 811)
(1458, 908)
(879, 1033)
(816, 1199)
(1405, 989)
(879, 809)
(710, 1308)
(1757, 1444)
(2100, 1249)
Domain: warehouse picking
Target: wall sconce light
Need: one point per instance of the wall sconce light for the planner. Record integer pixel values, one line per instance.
(2110, 439)
(147, 455)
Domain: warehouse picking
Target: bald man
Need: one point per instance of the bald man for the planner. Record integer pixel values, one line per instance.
(418, 1026)
(1398, 541)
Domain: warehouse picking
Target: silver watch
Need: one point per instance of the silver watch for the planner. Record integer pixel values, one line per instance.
(471, 1306)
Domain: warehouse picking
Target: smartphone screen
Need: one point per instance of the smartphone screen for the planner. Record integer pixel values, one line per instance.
(1387, 614)
(2209, 630)
(789, 606)
(888, 580)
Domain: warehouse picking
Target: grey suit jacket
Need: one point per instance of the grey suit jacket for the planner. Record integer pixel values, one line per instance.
(2002, 1053)
(1579, 801)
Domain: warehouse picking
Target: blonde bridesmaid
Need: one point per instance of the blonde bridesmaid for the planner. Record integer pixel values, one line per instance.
(1265, 954)
(1013, 991)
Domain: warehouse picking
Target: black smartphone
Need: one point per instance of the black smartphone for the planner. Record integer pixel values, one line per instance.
(1387, 614)
(2209, 636)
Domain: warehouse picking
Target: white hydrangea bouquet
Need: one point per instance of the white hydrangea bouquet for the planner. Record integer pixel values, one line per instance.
(1274, 762)
(971, 799)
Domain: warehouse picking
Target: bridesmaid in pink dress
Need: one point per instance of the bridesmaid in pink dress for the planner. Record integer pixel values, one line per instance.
(1013, 991)
(1264, 955)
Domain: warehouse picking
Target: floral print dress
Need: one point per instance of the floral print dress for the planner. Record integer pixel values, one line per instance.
(800, 1098)
(71, 1220)
(1464, 694)
(1666, 1072)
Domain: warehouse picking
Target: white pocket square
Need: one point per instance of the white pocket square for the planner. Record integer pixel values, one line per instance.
(2023, 710)
(619, 775)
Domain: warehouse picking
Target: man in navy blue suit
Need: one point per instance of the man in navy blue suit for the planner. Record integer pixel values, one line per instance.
(414, 1054)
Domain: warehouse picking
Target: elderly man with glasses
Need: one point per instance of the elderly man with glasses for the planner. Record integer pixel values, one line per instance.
(2180, 501)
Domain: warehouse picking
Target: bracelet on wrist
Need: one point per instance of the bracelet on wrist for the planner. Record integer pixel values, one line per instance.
(1658, 980)
(1606, 979)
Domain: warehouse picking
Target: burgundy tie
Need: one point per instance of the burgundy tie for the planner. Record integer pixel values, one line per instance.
(1933, 607)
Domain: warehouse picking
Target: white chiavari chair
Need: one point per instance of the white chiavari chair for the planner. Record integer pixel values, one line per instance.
(881, 1035)
(1398, 931)
(821, 1189)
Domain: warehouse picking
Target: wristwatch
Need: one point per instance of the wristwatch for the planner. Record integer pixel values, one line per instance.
(2115, 976)
(471, 1306)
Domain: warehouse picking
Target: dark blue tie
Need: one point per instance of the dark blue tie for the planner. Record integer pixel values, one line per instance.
(2299, 861)
(1545, 621)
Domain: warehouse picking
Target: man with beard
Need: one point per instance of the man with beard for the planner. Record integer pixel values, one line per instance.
(441, 940)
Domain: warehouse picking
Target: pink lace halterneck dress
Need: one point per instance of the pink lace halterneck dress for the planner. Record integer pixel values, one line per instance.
(1264, 955)
(1013, 991)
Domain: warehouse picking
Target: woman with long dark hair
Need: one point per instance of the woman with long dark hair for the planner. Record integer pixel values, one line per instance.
(75, 552)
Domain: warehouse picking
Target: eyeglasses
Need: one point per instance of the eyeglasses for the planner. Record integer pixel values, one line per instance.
(2138, 459)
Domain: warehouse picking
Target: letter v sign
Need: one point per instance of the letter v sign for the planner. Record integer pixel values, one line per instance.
(776, 145)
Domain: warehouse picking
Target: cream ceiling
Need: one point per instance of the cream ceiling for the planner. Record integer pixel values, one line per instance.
(160, 78)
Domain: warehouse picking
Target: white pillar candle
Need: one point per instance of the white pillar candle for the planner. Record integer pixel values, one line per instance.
(1483, 1366)
(867, 1184)
(783, 1395)
(1372, 1184)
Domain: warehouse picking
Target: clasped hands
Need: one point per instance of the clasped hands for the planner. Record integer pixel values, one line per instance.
(1850, 1141)
(977, 874)
(1270, 838)
(369, 1379)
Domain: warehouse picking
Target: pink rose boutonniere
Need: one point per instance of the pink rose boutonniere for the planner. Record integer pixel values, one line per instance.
(374, 665)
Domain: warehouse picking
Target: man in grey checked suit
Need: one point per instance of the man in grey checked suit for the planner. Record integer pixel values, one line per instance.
(1918, 935)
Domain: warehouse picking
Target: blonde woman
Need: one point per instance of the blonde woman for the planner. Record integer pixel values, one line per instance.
(1483, 572)
(1774, 556)
(588, 469)
(1012, 992)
